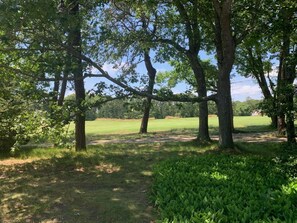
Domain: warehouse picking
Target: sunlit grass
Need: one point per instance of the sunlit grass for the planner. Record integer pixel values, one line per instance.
(128, 126)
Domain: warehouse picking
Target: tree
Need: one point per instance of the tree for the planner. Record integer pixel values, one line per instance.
(233, 22)
(125, 26)
(225, 49)
(181, 38)
(274, 42)
(286, 25)
(75, 42)
(253, 60)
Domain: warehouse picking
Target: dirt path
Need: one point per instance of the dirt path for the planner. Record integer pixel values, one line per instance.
(246, 137)
(162, 138)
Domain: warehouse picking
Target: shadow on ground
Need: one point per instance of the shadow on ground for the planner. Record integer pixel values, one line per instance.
(107, 184)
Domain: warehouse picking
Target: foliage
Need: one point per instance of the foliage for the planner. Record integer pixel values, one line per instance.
(245, 108)
(25, 116)
(224, 188)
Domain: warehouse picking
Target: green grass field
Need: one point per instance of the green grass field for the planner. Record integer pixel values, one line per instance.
(118, 126)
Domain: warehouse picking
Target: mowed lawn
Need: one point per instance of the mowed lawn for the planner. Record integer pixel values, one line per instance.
(127, 126)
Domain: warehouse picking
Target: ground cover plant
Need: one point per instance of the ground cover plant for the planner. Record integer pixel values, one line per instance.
(225, 188)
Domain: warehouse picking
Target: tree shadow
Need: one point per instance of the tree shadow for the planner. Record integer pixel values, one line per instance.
(107, 184)
(224, 188)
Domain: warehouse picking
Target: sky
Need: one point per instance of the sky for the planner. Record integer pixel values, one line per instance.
(241, 87)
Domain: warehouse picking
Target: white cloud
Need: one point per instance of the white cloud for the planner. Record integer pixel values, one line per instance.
(110, 68)
(241, 91)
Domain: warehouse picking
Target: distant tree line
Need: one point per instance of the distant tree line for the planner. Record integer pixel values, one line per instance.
(133, 109)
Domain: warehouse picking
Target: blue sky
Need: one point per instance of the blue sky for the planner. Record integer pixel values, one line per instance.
(241, 87)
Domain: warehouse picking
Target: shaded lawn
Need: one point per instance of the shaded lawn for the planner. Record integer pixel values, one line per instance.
(108, 183)
(105, 184)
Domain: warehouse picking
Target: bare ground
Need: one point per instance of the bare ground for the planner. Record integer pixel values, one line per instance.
(161, 138)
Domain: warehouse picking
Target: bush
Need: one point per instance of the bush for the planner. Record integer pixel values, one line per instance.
(223, 188)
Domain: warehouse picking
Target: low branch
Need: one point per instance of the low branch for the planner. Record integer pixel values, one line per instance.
(177, 98)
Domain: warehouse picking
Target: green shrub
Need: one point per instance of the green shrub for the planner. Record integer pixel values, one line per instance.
(224, 188)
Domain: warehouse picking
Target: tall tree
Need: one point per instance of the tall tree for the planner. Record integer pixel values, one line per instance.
(75, 43)
(253, 61)
(128, 26)
(225, 49)
(181, 38)
(286, 25)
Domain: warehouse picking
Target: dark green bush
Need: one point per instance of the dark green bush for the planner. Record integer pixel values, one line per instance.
(224, 188)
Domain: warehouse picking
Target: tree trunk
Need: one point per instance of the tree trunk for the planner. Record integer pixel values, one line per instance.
(56, 88)
(224, 112)
(286, 76)
(274, 121)
(151, 71)
(146, 116)
(63, 89)
(203, 133)
(259, 74)
(75, 37)
(225, 48)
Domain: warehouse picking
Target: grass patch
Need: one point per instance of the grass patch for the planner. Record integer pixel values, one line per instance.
(101, 127)
(108, 183)
(224, 188)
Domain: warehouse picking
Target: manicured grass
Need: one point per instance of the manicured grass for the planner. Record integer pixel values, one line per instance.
(119, 126)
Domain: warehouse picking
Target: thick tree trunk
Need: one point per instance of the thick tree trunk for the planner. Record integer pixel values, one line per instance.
(290, 121)
(273, 121)
(203, 134)
(75, 37)
(286, 76)
(225, 48)
(224, 112)
(152, 75)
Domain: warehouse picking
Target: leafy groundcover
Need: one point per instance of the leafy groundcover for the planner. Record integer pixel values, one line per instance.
(225, 188)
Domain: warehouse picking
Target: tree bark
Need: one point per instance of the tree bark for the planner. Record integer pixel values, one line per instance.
(64, 84)
(75, 40)
(203, 133)
(151, 71)
(286, 76)
(225, 48)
